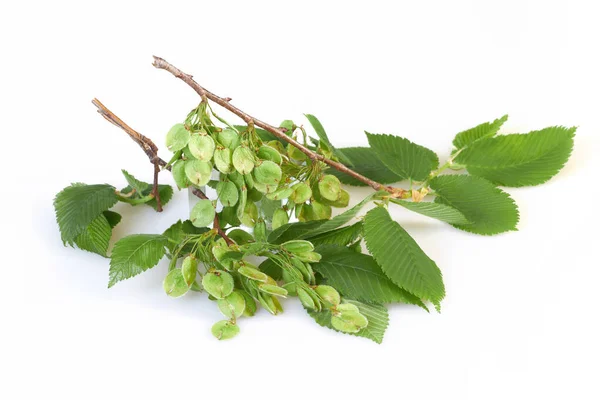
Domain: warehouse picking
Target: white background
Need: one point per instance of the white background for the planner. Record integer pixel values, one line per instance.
(521, 317)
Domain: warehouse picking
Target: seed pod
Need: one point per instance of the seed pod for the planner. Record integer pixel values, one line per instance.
(261, 187)
(267, 172)
(305, 213)
(280, 218)
(301, 194)
(198, 172)
(291, 275)
(260, 231)
(228, 193)
(306, 300)
(253, 273)
(254, 195)
(237, 178)
(349, 321)
(298, 246)
(312, 280)
(291, 288)
(328, 294)
(270, 154)
(330, 187)
(250, 308)
(218, 283)
(277, 145)
(224, 330)
(309, 257)
(240, 236)
(243, 160)
(278, 308)
(272, 289)
(177, 137)
(219, 253)
(295, 154)
(174, 284)
(228, 215)
(189, 269)
(321, 211)
(222, 158)
(229, 138)
(196, 287)
(341, 202)
(301, 267)
(187, 154)
(203, 213)
(280, 194)
(249, 180)
(179, 175)
(250, 215)
(289, 127)
(232, 306)
(347, 307)
(268, 303)
(202, 147)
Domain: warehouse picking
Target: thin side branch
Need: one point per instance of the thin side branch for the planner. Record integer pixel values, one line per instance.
(225, 103)
(152, 152)
(144, 142)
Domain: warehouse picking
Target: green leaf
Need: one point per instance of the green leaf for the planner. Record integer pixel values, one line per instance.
(342, 218)
(366, 162)
(165, 192)
(112, 217)
(470, 136)
(520, 159)
(139, 186)
(320, 131)
(376, 314)
(177, 232)
(358, 276)
(401, 258)
(292, 231)
(270, 268)
(439, 211)
(405, 158)
(342, 236)
(96, 236)
(78, 205)
(489, 209)
(135, 254)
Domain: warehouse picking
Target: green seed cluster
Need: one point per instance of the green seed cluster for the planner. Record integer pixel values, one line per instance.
(262, 184)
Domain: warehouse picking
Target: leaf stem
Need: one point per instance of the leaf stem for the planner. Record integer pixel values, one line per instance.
(140, 200)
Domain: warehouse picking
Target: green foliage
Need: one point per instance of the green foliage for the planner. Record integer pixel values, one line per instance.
(78, 205)
(376, 314)
(135, 254)
(341, 237)
(265, 181)
(489, 209)
(95, 236)
(401, 258)
(133, 183)
(358, 276)
(439, 211)
(320, 131)
(519, 159)
(366, 162)
(405, 158)
(481, 131)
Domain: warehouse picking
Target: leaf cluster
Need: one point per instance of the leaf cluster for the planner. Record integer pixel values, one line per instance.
(276, 206)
